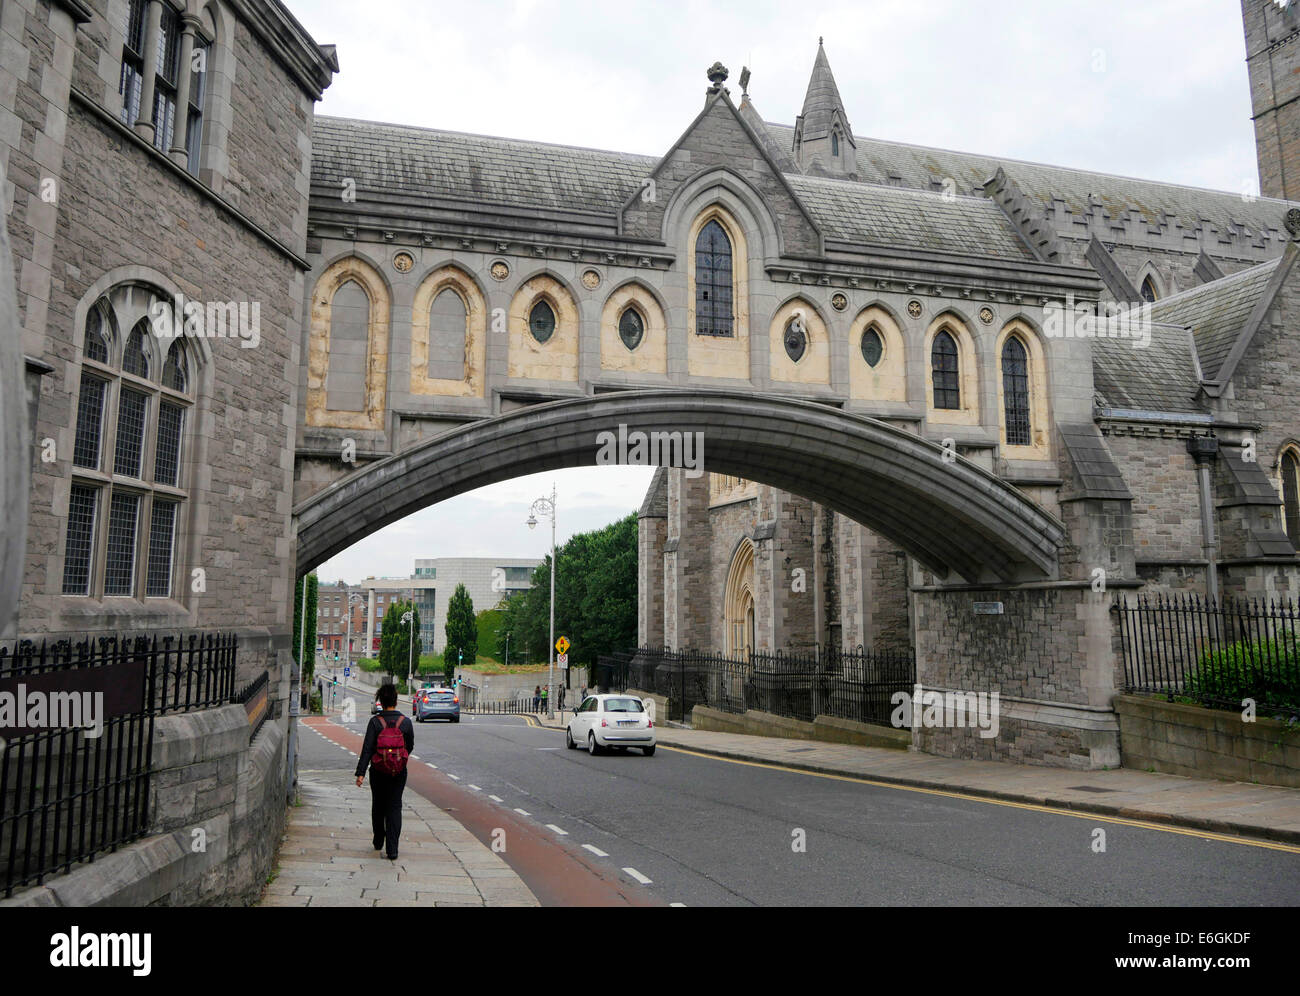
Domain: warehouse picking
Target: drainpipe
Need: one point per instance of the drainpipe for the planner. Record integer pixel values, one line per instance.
(1204, 449)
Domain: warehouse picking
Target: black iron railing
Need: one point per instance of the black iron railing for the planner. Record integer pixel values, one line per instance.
(1216, 653)
(854, 684)
(253, 697)
(509, 706)
(66, 796)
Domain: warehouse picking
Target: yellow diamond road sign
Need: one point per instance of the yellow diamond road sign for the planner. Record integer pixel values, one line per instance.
(562, 644)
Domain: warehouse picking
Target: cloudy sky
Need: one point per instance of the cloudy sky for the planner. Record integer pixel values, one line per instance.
(1146, 88)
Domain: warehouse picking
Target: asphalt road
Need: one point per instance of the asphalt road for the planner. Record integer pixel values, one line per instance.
(707, 831)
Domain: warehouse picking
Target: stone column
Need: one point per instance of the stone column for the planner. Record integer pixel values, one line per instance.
(179, 153)
(370, 622)
(651, 530)
(688, 601)
(153, 30)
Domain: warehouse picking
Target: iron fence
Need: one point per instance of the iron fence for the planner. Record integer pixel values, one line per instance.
(509, 706)
(1216, 653)
(855, 684)
(66, 796)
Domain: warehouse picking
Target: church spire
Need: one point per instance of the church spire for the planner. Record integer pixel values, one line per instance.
(823, 140)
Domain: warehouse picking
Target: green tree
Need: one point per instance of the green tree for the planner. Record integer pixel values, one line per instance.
(595, 597)
(462, 633)
(489, 623)
(399, 642)
(306, 660)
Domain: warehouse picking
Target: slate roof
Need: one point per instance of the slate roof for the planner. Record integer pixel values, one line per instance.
(445, 165)
(891, 216)
(1216, 311)
(821, 101)
(449, 165)
(923, 168)
(1160, 377)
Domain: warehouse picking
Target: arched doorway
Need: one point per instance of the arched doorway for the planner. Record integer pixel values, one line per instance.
(738, 604)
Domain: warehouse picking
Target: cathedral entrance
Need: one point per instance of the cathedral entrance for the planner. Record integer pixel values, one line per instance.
(738, 606)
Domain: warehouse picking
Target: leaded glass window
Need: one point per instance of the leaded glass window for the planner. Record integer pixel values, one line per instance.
(167, 452)
(873, 347)
(132, 413)
(1148, 290)
(78, 549)
(135, 360)
(174, 374)
(631, 328)
(121, 538)
(96, 342)
(90, 422)
(944, 371)
(162, 532)
(541, 321)
(713, 286)
(795, 338)
(1015, 392)
(1291, 496)
(119, 561)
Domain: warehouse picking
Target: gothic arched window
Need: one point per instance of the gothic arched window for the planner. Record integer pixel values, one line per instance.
(713, 291)
(128, 481)
(631, 328)
(873, 347)
(944, 372)
(1291, 496)
(541, 321)
(835, 143)
(1015, 392)
(796, 338)
(1148, 290)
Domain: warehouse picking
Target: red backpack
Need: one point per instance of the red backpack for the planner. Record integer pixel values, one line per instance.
(390, 749)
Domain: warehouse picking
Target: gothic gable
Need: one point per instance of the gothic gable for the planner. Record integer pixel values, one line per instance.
(720, 139)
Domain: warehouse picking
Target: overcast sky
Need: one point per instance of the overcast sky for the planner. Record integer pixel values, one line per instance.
(1146, 88)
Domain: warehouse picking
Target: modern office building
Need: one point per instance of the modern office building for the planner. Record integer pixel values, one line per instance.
(488, 580)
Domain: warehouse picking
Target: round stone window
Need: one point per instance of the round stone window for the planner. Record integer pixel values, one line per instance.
(541, 321)
(631, 328)
(873, 347)
(796, 339)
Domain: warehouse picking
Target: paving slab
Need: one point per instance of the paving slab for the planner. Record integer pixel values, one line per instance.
(325, 857)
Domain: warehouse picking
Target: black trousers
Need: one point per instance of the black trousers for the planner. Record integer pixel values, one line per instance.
(386, 807)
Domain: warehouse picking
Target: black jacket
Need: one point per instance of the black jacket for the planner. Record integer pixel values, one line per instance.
(377, 723)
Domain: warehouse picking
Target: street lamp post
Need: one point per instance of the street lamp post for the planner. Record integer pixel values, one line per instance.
(347, 653)
(408, 619)
(546, 506)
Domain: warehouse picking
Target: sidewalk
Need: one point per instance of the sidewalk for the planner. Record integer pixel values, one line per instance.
(326, 859)
(1238, 808)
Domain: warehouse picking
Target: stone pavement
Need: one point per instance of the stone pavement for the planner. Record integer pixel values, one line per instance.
(1217, 806)
(326, 858)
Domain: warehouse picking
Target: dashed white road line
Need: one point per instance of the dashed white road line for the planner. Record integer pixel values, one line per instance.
(496, 798)
(552, 826)
(637, 875)
(522, 812)
(595, 850)
(432, 765)
(474, 787)
(677, 904)
(453, 777)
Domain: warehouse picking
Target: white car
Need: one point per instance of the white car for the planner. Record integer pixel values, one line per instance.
(604, 721)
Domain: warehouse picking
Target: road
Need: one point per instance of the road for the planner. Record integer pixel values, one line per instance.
(701, 831)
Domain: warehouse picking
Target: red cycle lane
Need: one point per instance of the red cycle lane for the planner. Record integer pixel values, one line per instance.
(556, 875)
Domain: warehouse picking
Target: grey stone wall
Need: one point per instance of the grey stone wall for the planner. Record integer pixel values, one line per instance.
(1206, 743)
(216, 815)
